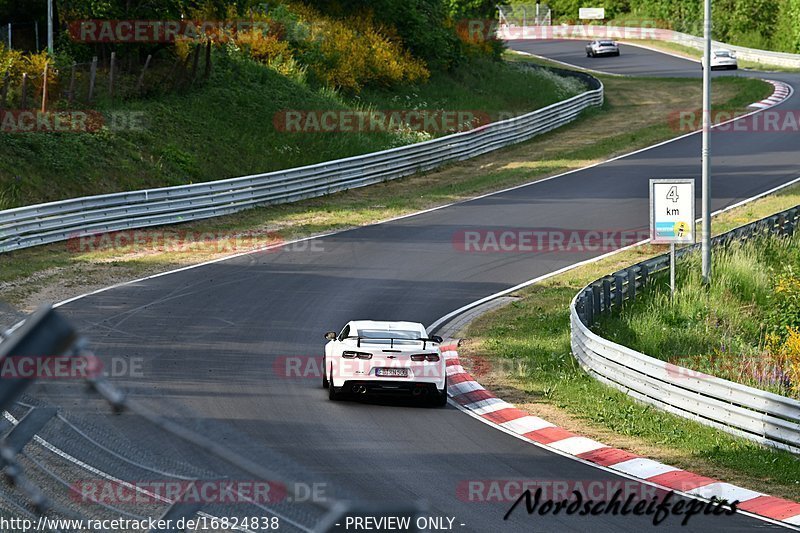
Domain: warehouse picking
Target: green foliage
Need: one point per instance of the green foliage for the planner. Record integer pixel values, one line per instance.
(763, 24)
(787, 31)
(351, 53)
(425, 26)
(478, 9)
(734, 328)
(785, 301)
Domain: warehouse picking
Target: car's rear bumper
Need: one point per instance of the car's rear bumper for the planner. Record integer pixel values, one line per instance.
(606, 52)
(392, 388)
(342, 371)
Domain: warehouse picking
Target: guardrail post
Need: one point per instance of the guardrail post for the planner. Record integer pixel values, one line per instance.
(632, 283)
(619, 281)
(606, 294)
(784, 225)
(588, 307)
(596, 309)
(579, 308)
(645, 272)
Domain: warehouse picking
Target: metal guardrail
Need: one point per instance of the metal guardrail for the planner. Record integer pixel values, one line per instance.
(781, 59)
(57, 221)
(596, 31)
(757, 415)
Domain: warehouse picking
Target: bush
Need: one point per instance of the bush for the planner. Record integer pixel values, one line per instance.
(344, 54)
(785, 302)
(11, 63)
(424, 26)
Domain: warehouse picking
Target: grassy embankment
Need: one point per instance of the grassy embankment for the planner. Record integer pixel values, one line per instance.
(743, 327)
(225, 128)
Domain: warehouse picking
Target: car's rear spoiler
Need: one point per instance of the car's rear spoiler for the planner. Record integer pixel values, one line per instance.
(424, 341)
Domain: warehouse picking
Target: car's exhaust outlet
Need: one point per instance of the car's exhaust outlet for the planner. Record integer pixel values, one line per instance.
(359, 388)
(419, 391)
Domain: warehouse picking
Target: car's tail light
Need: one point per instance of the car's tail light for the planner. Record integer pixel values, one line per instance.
(347, 354)
(418, 357)
(431, 357)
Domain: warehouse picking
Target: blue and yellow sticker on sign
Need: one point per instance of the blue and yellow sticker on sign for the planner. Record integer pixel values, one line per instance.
(672, 229)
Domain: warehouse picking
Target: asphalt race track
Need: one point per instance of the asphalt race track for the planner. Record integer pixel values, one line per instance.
(213, 337)
(632, 61)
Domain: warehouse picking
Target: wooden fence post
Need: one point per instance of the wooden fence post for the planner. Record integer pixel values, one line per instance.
(71, 85)
(111, 74)
(195, 61)
(92, 76)
(4, 91)
(141, 76)
(207, 72)
(24, 97)
(44, 88)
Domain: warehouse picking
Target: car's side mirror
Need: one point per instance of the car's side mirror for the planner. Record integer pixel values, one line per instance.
(331, 335)
(437, 339)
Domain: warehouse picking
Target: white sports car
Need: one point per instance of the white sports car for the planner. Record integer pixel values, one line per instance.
(602, 48)
(384, 358)
(722, 59)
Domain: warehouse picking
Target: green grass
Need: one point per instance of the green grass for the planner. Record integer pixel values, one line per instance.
(532, 335)
(721, 329)
(225, 129)
(497, 89)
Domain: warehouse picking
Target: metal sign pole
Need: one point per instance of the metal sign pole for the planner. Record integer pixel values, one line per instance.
(705, 155)
(50, 26)
(672, 269)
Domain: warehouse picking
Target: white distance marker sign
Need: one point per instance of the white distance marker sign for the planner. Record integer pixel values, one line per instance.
(592, 13)
(672, 211)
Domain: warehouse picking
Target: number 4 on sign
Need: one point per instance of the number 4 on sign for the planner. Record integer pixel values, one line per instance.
(672, 194)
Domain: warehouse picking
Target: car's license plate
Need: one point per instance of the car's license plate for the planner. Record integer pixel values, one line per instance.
(392, 372)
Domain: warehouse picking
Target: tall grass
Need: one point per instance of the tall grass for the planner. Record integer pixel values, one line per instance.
(729, 328)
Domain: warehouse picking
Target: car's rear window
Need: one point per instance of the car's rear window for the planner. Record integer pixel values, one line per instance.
(607, 43)
(381, 336)
(723, 54)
